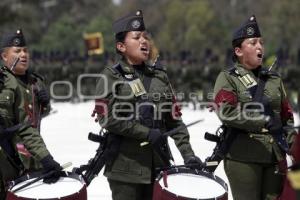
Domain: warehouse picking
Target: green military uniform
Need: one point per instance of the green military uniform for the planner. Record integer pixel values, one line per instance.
(255, 161)
(128, 102)
(16, 123)
(135, 163)
(253, 148)
(13, 112)
(30, 84)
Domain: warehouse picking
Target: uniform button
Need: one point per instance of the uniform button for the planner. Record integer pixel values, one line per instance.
(27, 91)
(271, 140)
(7, 97)
(251, 136)
(30, 106)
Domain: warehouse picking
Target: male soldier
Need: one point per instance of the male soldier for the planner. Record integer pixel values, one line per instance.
(131, 94)
(37, 105)
(17, 121)
(256, 158)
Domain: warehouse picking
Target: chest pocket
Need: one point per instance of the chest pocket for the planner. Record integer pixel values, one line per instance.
(244, 96)
(159, 90)
(273, 92)
(6, 98)
(6, 103)
(123, 92)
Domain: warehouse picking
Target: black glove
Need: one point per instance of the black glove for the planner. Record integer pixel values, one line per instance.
(53, 168)
(194, 162)
(43, 97)
(156, 139)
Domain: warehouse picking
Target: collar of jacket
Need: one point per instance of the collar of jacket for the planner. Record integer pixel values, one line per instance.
(240, 70)
(129, 69)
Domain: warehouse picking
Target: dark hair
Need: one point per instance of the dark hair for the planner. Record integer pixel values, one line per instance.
(120, 37)
(236, 43)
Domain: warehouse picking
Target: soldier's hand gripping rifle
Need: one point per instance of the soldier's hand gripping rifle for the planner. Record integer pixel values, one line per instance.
(108, 148)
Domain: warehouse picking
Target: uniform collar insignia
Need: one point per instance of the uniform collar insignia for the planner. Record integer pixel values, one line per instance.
(128, 76)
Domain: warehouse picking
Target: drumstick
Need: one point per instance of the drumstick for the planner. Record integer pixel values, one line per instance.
(175, 130)
(64, 166)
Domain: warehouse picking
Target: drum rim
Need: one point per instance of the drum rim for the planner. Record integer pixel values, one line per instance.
(196, 172)
(83, 189)
(25, 177)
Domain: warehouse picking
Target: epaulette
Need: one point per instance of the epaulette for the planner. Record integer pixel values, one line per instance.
(117, 70)
(113, 70)
(233, 71)
(159, 67)
(36, 75)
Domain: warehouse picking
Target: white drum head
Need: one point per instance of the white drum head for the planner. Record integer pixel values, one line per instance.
(192, 186)
(64, 187)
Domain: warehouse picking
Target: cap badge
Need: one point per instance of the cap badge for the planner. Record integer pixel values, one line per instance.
(16, 42)
(135, 24)
(250, 31)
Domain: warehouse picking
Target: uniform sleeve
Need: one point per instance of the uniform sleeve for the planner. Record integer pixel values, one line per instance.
(182, 138)
(174, 120)
(104, 109)
(30, 136)
(229, 109)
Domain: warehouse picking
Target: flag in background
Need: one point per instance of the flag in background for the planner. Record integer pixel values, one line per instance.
(94, 43)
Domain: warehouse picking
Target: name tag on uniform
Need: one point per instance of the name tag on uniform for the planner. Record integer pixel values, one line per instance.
(247, 81)
(137, 87)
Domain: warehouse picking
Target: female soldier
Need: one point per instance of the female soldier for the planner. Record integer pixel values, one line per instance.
(256, 155)
(130, 95)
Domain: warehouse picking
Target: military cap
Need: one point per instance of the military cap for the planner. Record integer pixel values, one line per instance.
(249, 29)
(131, 22)
(14, 39)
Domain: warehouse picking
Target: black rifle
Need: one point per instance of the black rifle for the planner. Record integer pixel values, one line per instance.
(109, 145)
(223, 139)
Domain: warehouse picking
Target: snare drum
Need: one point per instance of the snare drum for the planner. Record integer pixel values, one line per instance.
(188, 184)
(68, 187)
